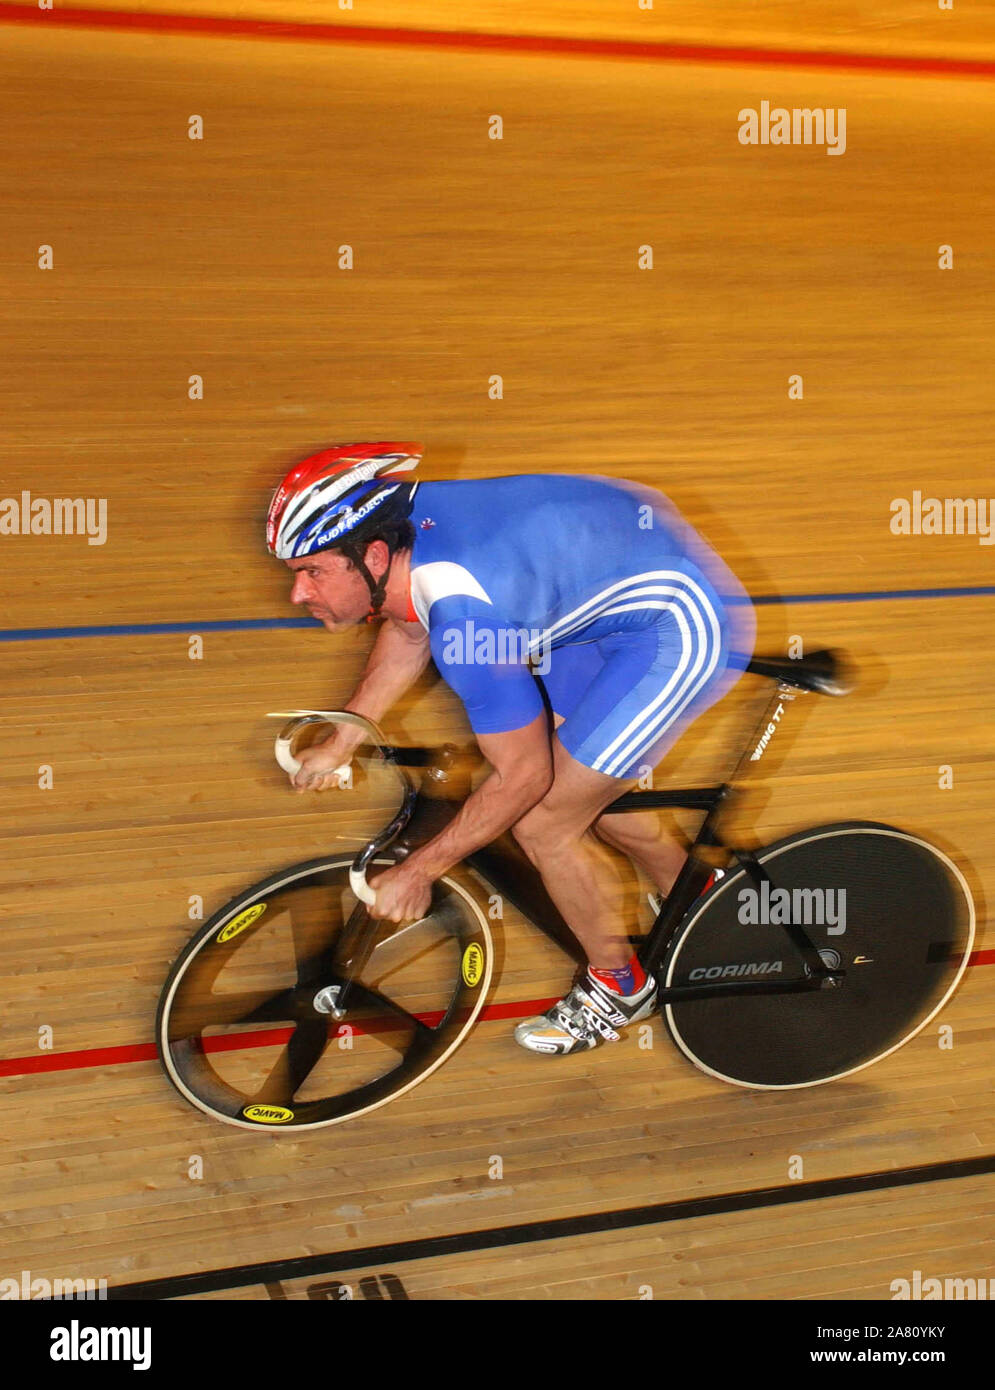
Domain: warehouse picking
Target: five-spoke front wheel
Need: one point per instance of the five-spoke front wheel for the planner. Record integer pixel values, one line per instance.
(250, 1028)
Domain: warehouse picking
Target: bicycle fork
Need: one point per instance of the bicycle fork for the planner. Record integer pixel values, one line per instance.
(421, 819)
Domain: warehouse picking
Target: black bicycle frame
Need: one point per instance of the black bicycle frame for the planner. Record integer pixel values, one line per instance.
(505, 867)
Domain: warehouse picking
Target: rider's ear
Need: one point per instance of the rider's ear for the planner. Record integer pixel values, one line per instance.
(377, 557)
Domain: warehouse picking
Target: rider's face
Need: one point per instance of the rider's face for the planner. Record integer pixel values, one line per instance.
(331, 589)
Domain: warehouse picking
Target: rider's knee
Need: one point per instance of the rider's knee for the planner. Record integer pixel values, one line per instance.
(527, 836)
(541, 833)
(534, 832)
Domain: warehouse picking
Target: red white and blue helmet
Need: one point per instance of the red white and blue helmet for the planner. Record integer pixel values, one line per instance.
(339, 495)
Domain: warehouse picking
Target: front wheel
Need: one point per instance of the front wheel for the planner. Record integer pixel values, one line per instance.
(246, 1029)
(890, 910)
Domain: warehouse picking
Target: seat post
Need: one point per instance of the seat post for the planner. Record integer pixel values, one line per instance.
(774, 711)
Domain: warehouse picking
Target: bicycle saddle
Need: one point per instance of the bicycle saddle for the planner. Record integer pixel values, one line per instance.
(822, 671)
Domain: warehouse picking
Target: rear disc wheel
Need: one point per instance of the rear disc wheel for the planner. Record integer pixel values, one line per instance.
(907, 922)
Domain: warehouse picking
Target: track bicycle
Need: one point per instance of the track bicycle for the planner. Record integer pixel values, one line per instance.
(293, 1008)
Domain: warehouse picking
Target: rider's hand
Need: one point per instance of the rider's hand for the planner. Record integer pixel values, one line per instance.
(320, 761)
(404, 894)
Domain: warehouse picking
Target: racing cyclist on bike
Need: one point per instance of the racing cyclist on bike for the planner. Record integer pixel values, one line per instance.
(594, 586)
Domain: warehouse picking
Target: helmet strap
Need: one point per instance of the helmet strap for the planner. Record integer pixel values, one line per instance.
(377, 587)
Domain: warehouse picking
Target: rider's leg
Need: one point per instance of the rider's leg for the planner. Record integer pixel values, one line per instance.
(625, 698)
(638, 834)
(647, 686)
(578, 873)
(583, 882)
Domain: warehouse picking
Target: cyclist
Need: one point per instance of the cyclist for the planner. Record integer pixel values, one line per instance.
(595, 587)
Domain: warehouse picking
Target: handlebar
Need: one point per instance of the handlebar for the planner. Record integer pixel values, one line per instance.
(283, 750)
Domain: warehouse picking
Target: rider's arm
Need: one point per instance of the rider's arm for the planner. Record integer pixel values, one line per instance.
(396, 660)
(476, 658)
(399, 655)
(522, 765)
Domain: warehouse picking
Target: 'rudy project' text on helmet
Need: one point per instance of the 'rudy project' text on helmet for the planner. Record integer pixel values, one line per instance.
(338, 495)
(340, 498)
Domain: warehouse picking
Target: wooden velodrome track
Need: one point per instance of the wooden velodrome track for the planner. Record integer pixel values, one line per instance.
(218, 258)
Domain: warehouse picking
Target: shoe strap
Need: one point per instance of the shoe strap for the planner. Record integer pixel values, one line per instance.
(581, 1005)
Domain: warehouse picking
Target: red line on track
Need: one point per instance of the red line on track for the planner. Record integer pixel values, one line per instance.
(72, 1061)
(274, 1037)
(232, 1042)
(208, 26)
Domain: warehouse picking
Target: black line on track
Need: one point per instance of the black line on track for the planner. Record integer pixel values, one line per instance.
(430, 1247)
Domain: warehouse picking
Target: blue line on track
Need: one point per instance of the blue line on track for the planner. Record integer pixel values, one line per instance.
(44, 634)
(876, 595)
